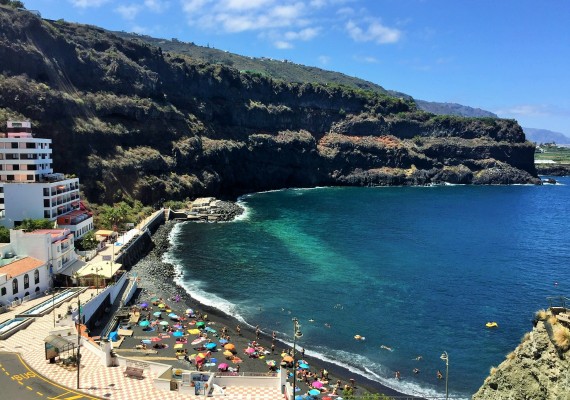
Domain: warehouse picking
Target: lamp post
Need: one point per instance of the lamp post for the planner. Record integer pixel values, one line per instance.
(297, 334)
(97, 269)
(445, 358)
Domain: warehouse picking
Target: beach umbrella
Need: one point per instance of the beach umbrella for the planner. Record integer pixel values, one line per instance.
(223, 341)
(211, 346)
(178, 326)
(168, 310)
(327, 398)
(230, 346)
(155, 339)
(317, 384)
(179, 346)
(223, 366)
(301, 397)
(200, 324)
(157, 313)
(178, 334)
(228, 353)
(154, 299)
(189, 311)
(271, 363)
(114, 336)
(161, 305)
(288, 359)
(304, 366)
(193, 331)
(145, 341)
(144, 305)
(314, 392)
(172, 315)
(208, 329)
(163, 323)
(250, 350)
(144, 323)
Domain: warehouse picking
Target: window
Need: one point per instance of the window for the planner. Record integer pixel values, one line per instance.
(36, 276)
(3, 292)
(14, 145)
(9, 177)
(26, 281)
(14, 286)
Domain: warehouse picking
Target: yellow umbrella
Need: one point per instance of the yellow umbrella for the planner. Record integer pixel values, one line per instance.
(161, 305)
(193, 331)
(228, 353)
(178, 346)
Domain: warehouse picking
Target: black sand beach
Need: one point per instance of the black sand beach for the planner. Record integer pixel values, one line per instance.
(157, 281)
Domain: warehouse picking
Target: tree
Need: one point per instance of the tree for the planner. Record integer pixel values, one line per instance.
(30, 225)
(87, 242)
(4, 235)
(12, 3)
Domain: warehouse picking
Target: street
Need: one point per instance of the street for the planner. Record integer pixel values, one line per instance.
(18, 381)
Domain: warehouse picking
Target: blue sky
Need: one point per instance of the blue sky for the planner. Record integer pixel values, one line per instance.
(511, 57)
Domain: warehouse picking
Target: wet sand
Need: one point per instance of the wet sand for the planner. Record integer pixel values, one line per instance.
(157, 280)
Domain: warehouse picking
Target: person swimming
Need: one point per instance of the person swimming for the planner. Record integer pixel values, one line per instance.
(386, 348)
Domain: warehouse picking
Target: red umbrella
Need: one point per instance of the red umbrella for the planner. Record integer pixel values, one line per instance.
(155, 339)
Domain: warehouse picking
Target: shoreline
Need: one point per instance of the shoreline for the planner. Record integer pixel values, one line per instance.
(159, 278)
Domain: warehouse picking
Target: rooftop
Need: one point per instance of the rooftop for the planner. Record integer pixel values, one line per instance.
(21, 266)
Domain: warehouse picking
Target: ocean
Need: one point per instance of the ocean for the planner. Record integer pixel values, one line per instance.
(419, 270)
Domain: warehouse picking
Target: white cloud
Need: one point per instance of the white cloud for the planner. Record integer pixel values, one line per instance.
(193, 6)
(526, 110)
(324, 60)
(88, 3)
(374, 32)
(281, 44)
(156, 5)
(128, 12)
(366, 59)
(303, 34)
(245, 4)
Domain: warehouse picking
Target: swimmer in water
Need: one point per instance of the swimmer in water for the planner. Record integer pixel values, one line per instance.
(418, 358)
(386, 348)
(327, 325)
(311, 320)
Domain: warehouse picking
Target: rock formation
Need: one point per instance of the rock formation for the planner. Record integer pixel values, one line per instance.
(538, 369)
(134, 121)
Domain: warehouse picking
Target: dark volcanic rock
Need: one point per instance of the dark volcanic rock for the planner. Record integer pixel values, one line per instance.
(150, 125)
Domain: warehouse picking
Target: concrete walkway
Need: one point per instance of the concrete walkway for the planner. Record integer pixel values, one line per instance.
(96, 379)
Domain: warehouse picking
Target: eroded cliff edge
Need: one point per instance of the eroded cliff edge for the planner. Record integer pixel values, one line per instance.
(538, 369)
(134, 121)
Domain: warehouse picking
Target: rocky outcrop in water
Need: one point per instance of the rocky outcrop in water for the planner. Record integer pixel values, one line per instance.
(538, 369)
(134, 121)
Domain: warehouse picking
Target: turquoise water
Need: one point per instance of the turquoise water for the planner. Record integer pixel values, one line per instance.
(419, 270)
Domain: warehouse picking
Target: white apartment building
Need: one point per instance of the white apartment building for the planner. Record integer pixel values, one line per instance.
(30, 189)
(21, 277)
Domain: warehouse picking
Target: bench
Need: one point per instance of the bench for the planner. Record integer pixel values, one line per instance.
(134, 372)
(563, 318)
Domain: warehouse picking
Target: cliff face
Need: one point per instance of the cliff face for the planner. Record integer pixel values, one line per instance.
(538, 369)
(134, 121)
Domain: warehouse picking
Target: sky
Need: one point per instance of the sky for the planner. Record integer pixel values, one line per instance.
(511, 57)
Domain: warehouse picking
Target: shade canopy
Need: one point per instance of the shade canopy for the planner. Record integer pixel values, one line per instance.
(105, 269)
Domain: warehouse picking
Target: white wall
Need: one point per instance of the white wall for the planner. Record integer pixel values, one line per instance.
(43, 285)
(21, 201)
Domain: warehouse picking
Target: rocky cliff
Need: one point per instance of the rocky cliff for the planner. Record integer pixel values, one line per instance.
(538, 369)
(134, 121)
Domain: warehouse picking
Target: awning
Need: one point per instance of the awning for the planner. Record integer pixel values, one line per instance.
(59, 343)
(103, 232)
(102, 268)
(73, 268)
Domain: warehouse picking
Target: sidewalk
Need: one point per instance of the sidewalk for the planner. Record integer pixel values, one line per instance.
(96, 379)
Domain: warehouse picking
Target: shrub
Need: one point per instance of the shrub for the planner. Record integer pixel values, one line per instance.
(541, 315)
(561, 337)
(511, 355)
(552, 320)
(493, 370)
(526, 337)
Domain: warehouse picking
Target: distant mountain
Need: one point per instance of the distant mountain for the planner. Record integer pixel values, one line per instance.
(454, 109)
(545, 136)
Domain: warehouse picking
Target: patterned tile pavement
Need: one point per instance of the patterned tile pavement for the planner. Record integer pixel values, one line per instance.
(95, 379)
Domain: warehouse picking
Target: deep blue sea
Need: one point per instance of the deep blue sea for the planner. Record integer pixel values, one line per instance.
(417, 269)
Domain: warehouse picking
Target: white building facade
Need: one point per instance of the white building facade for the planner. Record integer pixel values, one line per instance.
(30, 189)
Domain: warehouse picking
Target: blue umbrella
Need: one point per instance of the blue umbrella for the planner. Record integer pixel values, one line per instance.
(223, 341)
(304, 366)
(172, 315)
(211, 346)
(178, 334)
(301, 397)
(113, 336)
(144, 323)
(144, 305)
(146, 341)
(314, 392)
(210, 329)
(157, 313)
